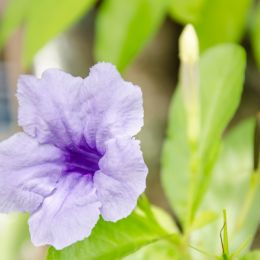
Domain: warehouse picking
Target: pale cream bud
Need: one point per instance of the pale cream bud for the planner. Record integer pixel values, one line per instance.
(189, 45)
(189, 80)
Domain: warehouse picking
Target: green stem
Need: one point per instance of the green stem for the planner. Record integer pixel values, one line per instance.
(192, 189)
(226, 246)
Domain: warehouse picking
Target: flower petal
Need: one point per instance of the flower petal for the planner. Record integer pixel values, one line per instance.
(50, 107)
(68, 215)
(114, 106)
(28, 173)
(121, 178)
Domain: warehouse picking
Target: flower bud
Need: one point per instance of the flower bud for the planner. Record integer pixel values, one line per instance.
(189, 45)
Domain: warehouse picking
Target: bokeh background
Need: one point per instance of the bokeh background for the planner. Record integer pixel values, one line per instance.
(141, 38)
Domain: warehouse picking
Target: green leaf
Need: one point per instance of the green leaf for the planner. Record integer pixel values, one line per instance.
(124, 27)
(222, 21)
(204, 218)
(229, 188)
(175, 159)
(47, 19)
(113, 240)
(163, 249)
(156, 215)
(159, 250)
(13, 16)
(254, 255)
(186, 11)
(255, 33)
(222, 75)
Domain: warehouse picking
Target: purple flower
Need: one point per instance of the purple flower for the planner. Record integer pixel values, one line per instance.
(77, 157)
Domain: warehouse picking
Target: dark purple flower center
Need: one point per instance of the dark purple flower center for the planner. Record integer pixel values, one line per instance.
(82, 159)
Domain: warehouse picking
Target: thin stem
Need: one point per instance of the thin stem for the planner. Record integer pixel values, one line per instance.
(225, 229)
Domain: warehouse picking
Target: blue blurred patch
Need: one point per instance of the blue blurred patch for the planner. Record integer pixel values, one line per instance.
(5, 102)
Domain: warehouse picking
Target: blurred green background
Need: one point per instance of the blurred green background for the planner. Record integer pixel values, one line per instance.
(141, 38)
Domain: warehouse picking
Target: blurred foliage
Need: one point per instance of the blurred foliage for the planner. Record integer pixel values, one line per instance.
(197, 189)
(221, 74)
(134, 22)
(42, 20)
(48, 18)
(186, 11)
(13, 236)
(123, 28)
(12, 17)
(235, 187)
(222, 21)
(255, 255)
(216, 21)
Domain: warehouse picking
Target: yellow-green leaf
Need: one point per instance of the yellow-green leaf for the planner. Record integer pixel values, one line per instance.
(187, 11)
(222, 21)
(124, 27)
(47, 19)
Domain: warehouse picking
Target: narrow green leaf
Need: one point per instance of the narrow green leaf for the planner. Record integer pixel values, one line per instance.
(255, 33)
(124, 27)
(113, 240)
(222, 74)
(222, 21)
(47, 19)
(225, 234)
(186, 11)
